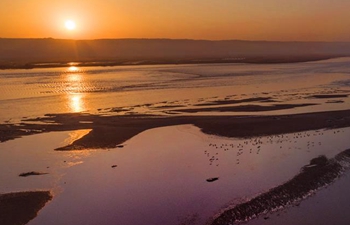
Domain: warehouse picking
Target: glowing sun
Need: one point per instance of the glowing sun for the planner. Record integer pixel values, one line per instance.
(70, 24)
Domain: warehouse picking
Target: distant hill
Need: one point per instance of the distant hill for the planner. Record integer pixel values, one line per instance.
(28, 53)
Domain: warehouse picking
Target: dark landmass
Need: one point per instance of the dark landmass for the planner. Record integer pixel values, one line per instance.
(33, 173)
(212, 179)
(118, 109)
(111, 131)
(335, 101)
(236, 101)
(329, 96)
(167, 106)
(245, 108)
(18, 53)
(20, 208)
(319, 173)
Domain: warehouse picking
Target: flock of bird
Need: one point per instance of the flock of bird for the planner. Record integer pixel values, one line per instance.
(298, 141)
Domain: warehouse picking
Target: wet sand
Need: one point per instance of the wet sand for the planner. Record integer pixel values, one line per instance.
(21, 207)
(228, 101)
(246, 108)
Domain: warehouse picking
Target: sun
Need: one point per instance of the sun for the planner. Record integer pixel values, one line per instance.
(70, 24)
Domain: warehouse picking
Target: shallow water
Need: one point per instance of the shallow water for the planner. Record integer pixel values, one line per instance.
(35, 153)
(35, 92)
(161, 174)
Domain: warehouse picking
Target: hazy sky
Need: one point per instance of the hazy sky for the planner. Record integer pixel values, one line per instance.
(285, 20)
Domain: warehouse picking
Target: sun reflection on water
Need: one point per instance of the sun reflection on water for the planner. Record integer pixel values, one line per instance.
(74, 77)
(74, 88)
(73, 69)
(76, 102)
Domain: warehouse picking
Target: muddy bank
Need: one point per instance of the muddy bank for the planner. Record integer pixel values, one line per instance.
(110, 131)
(32, 173)
(22, 207)
(236, 101)
(318, 174)
(245, 108)
(328, 96)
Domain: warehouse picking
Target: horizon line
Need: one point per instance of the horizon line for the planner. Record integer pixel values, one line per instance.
(172, 39)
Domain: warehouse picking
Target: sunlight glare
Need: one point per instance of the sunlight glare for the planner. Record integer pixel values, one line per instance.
(74, 80)
(70, 24)
(73, 69)
(76, 103)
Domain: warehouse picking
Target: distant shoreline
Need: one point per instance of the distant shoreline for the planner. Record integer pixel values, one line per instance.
(48, 53)
(247, 60)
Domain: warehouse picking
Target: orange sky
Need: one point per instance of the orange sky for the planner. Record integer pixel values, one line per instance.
(285, 20)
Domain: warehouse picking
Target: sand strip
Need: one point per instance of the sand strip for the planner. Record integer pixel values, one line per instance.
(245, 108)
